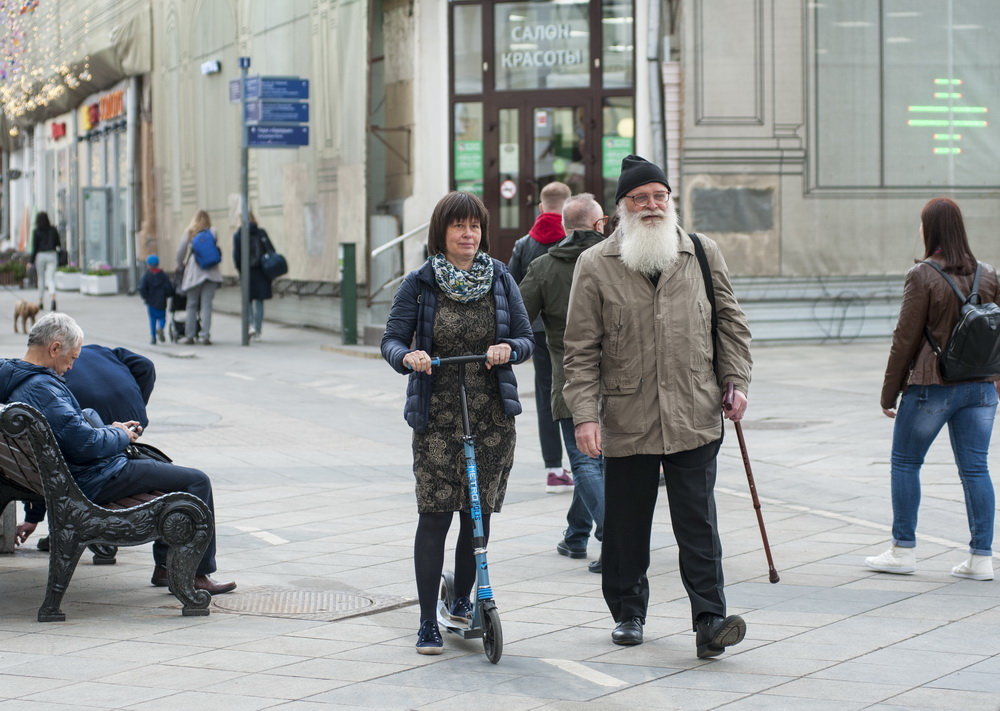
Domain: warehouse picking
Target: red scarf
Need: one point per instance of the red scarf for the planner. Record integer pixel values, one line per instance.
(548, 228)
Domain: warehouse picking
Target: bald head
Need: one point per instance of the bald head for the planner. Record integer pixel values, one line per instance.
(580, 212)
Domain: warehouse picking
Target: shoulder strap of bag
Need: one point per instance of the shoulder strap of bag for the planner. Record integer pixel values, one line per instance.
(706, 273)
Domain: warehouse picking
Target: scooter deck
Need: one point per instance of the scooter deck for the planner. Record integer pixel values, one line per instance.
(454, 626)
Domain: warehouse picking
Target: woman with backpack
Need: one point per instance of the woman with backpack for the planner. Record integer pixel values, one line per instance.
(199, 255)
(260, 283)
(45, 257)
(927, 317)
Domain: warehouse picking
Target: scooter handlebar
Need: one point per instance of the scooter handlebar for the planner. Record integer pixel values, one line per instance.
(479, 358)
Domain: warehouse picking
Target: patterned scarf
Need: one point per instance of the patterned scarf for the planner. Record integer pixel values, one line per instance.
(462, 286)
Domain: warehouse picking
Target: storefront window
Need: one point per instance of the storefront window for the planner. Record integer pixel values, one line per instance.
(617, 26)
(467, 43)
(909, 85)
(541, 45)
(468, 156)
(617, 141)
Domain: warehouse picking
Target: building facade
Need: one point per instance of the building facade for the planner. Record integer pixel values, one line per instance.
(804, 136)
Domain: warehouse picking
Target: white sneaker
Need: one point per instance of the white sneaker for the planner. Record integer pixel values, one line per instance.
(901, 561)
(977, 567)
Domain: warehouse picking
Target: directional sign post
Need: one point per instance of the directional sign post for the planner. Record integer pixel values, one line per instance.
(274, 113)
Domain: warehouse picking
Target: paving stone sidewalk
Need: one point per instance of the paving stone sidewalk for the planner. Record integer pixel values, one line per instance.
(310, 459)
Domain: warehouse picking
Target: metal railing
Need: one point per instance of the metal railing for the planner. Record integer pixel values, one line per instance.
(395, 242)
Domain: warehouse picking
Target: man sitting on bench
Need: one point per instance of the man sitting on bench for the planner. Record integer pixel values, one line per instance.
(96, 455)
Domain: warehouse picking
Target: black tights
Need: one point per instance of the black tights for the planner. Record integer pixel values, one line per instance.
(428, 557)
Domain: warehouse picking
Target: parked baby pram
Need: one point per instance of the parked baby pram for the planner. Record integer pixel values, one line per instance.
(178, 315)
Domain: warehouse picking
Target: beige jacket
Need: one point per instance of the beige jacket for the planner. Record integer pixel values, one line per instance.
(639, 358)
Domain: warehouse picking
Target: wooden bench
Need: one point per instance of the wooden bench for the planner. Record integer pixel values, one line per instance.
(33, 469)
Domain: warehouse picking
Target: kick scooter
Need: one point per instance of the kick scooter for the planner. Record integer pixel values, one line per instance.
(485, 620)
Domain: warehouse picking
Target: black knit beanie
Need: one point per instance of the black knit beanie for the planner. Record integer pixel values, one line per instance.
(637, 172)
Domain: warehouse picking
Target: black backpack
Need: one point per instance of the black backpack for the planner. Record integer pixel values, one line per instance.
(973, 349)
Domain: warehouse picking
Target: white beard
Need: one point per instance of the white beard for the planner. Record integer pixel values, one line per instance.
(649, 248)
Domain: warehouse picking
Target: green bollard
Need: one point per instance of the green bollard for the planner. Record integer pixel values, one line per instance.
(348, 294)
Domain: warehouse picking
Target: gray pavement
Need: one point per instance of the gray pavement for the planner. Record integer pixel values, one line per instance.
(310, 459)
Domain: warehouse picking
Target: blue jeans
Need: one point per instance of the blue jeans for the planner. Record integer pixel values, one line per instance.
(157, 319)
(256, 314)
(968, 409)
(587, 508)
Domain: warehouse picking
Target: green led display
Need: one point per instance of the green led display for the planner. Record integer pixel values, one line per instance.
(948, 109)
(946, 122)
(948, 82)
(947, 151)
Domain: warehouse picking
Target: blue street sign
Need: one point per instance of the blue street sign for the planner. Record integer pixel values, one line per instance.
(266, 136)
(277, 88)
(278, 111)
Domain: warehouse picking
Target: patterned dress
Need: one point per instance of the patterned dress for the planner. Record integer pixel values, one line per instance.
(438, 455)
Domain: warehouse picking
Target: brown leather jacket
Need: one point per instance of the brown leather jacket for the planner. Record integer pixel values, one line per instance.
(927, 300)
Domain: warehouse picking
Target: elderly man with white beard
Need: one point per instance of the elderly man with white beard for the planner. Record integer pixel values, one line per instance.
(644, 381)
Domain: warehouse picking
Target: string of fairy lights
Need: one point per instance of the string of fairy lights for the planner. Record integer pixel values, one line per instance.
(35, 39)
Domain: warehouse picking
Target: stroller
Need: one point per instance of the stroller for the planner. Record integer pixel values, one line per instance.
(178, 313)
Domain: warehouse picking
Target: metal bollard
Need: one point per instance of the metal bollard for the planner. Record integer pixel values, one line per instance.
(348, 294)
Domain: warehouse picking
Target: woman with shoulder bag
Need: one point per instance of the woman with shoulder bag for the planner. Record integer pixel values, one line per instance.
(929, 402)
(460, 302)
(199, 282)
(45, 256)
(260, 284)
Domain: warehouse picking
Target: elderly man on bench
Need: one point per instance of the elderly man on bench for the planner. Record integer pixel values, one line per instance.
(96, 455)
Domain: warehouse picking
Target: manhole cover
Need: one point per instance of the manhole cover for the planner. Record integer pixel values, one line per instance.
(307, 604)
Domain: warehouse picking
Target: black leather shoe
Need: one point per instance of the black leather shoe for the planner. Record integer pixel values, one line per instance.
(565, 549)
(716, 633)
(595, 566)
(628, 631)
(159, 578)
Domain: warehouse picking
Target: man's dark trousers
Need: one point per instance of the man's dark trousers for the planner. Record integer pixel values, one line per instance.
(549, 434)
(141, 475)
(630, 489)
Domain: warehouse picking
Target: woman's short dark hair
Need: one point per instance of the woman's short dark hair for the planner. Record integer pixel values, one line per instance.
(42, 221)
(944, 235)
(452, 207)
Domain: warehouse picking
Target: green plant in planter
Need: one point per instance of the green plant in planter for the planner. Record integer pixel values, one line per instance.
(70, 268)
(100, 270)
(16, 269)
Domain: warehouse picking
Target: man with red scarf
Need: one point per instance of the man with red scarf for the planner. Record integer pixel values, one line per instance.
(545, 233)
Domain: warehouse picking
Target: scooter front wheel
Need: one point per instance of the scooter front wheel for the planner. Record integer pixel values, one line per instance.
(492, 633)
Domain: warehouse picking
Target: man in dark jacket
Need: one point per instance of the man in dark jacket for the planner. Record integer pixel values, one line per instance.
(115, 382)
(546, 232)
(96, 455)
(545, 290)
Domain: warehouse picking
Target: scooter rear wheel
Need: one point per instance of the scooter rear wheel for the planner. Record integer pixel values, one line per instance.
(492, 633)
(447, 595)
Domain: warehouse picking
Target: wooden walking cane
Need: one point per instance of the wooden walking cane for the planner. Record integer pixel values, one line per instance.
(727, 402)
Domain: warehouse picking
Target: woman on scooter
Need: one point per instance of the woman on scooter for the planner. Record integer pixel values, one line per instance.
(460, 302)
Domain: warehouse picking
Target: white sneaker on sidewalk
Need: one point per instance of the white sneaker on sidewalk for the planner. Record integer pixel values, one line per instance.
(900, 561)
(977, 567)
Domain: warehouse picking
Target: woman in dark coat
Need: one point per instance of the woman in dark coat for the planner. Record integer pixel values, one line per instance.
(260, 285)
(460, 302)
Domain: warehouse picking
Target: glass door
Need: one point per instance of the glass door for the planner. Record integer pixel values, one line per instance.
(535, 145)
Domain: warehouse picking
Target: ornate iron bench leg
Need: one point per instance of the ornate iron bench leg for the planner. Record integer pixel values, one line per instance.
(187, 531)
(63, 557)
(104, 555)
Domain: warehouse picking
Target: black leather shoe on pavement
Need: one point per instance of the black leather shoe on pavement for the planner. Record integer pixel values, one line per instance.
(595, 566)
(628, 631)
(716, 633)
(564, 549)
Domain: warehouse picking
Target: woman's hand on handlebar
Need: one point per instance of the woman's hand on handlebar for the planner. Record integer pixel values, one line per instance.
(497, 354)
(418, 361)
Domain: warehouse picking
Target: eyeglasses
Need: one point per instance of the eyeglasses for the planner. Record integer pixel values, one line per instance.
(643, 199)
(600, 224)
